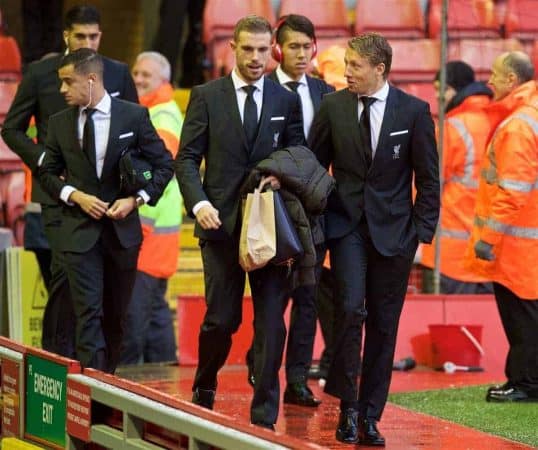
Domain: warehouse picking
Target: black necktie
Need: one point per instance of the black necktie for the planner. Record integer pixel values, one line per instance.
(293, 85)
(250, 116)
(365, 128)
(88, 136)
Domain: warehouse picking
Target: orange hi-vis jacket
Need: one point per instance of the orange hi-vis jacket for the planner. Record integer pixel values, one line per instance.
(465, 137)
(507, 201)
(160, 223)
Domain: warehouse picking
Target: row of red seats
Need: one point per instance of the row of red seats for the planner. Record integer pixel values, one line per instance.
(394, 18)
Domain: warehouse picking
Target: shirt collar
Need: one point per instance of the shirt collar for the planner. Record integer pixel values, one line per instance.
(381, 94)
(239, 83)
(103, 106)
(284, 78)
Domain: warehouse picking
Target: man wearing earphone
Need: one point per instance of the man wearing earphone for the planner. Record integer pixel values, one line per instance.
(293, 47)
(99, 221)
(39, 96)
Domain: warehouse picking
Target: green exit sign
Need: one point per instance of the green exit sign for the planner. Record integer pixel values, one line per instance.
(45, 399)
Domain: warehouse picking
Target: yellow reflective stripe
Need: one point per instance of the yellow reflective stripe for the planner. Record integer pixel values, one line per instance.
(509, 230)
(467, 178)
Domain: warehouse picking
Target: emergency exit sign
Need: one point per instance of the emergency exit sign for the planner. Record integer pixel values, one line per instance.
(45, 399)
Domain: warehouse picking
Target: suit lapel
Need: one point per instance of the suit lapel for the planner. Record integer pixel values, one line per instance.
(268, 100)
(315, 94)
(389, 118)
(74, 138)
(112, 145)
(350, 111)
(230, 98)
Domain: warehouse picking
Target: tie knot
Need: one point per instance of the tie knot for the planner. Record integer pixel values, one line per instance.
(249, 90)
(367, 101)
(89, 112)
(293, 85)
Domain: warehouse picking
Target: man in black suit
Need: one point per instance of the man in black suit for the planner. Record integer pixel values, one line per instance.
(234, 122)
(293, 48)
(39, 96)
(99, 224)
(377, 139)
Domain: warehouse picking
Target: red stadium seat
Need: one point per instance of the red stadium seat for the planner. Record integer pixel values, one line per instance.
(466, 19)
(10, 60)
(480, 54)
(424, 91)
(414, 60)
(220, 17)
(534, 57)
(405, 20)
(13, 206)
(521, 19)
(328, 16)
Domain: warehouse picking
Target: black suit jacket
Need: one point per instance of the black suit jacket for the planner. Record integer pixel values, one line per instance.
(39, 96)
(64, 155)
(318, 88)
(213, 130)
(383, 192)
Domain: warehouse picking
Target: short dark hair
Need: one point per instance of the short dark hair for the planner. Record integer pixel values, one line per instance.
(373, 47)
(85, 61)
(520, 64)
(82, 14)
(294, 22)
(252, 24)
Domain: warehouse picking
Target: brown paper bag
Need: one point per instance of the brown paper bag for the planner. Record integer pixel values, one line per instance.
(257, 242)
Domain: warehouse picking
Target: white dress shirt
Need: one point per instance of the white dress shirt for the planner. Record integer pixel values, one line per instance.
(303, 91)
(377, 111)
(241, 97)
(101, 123)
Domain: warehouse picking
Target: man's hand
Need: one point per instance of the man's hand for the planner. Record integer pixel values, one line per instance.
(483, 250)
(208, 218)
(90, 204)
(275, 182)
(121, 208)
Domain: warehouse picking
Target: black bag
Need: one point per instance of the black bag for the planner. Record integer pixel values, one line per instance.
(288, 244)
(135, 171)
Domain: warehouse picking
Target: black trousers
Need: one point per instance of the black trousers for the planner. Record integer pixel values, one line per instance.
(370, 289)
(224, 287)
(302, 327)
(325, 307)
(520, 322)
(58, 335)
(101, 281)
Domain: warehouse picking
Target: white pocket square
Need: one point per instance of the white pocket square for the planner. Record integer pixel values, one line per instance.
(274, 119)
(126, 135)
(396, 133)
(114, 94)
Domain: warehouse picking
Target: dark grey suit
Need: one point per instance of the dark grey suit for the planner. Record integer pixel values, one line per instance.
(373, 227)
(39, 96)
(213, 130)
(101, 255)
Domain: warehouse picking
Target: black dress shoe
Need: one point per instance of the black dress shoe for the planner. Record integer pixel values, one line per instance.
(315, 373)
(512, 394)
(369, 434)
(300, 394)
(500, 387)
(203, 397)
(267, 426)
(347, 430)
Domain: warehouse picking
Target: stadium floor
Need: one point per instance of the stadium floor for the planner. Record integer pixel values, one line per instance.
(402, 428)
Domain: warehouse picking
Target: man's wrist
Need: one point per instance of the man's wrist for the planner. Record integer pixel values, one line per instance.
(139, 201)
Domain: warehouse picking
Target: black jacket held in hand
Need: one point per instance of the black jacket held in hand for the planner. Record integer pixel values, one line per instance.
(64, 155)
(305, 188)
